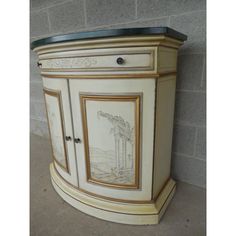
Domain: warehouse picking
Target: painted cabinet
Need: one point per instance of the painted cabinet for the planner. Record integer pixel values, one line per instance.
(110, 108)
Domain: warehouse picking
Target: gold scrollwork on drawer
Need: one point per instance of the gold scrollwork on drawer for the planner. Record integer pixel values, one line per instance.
(102, 60)
(64, 63)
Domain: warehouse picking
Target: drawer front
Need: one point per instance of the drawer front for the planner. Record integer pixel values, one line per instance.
(112, 61)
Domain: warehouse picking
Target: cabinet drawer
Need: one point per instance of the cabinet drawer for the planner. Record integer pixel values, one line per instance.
(112, 60)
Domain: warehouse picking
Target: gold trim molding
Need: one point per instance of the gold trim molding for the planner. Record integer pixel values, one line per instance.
(115, 200)
(106, 76)
(111, 98)
(57, 95)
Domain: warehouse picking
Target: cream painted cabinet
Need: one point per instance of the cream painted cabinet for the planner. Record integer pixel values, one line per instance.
(110, 104)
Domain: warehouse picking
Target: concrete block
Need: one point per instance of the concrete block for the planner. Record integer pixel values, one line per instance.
(33, 56)
(36, 91)
(157, 8)
(190, 108)
(192, 24)
(201, 143)
(67, 17)
(38, 110)
(184, 139)
(34, 71)
(190, 170)
(190, 71)
(108, 12)
(34, 76)
(39, 127)
(190, 47)
(39, 24)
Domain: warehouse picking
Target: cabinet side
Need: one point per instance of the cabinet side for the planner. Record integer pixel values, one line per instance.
(165, 102)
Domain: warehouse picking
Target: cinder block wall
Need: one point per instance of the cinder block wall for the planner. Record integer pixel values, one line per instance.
(52, 17)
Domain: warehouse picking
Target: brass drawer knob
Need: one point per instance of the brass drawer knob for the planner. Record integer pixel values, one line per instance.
(77, 140)
(120, 61)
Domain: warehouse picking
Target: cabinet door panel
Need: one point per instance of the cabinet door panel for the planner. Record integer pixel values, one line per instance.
(60, 125)
(56, 127)
(116, 153)
(112, 145)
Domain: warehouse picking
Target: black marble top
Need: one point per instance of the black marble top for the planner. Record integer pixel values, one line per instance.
(110, 33)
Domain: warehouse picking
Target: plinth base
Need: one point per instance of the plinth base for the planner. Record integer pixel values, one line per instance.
(119, 212)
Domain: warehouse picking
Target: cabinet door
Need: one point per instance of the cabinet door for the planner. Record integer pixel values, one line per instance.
(114, 119)
(60, 127)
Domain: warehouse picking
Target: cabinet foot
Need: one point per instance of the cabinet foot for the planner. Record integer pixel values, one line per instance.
(119, 212)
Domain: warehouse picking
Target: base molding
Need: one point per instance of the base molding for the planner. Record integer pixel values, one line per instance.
(119, 212)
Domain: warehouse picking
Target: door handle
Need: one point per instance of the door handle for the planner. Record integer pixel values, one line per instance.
(77, 140)
(68, 138)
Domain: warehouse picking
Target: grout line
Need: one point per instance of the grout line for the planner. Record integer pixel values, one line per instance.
(49, 22)
(186, 13)
(85, 14)
(136, 9)
(50, 6)
(37, 119)
(36, 101)
(125, 23)
(192, 53)
(190, 182)
(195, 142)
(40, 136)
(168, 21)
(190, 157)
(118, 24)
(190, 91)
(189, 124)
(202, 79)
(36, 82)
(40, 36)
